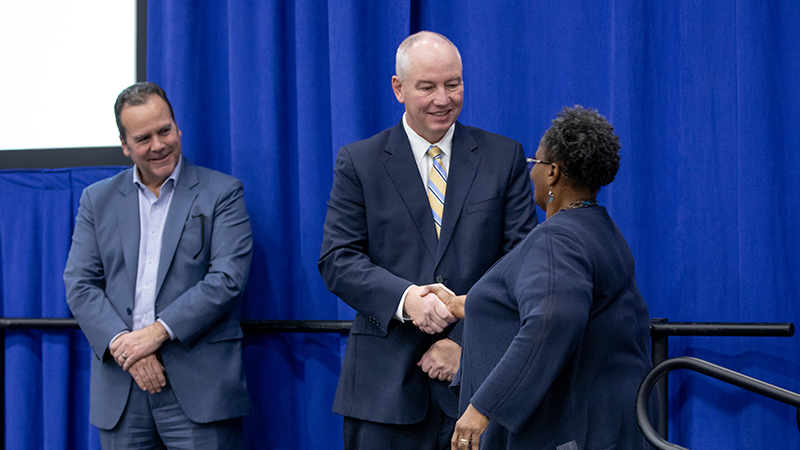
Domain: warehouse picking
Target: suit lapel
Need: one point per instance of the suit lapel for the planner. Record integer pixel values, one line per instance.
(182, 199)
(126, 208)
(463, 167)
(402, 169)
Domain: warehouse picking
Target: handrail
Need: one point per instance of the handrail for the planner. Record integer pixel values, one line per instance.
(264, 326)
(708, 369)
(662, 329)
(658, 327)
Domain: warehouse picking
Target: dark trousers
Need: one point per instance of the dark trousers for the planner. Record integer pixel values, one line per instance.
(432, 433)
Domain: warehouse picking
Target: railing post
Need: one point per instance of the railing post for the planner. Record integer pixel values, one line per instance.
(659, 354)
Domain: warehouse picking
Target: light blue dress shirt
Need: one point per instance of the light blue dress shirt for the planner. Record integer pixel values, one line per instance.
(152, 217)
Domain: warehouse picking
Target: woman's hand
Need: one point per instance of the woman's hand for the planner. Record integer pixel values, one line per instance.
(454, 303)
(469, 429)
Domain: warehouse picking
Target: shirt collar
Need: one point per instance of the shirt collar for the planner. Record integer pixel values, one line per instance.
(419, 146)
(173, 176)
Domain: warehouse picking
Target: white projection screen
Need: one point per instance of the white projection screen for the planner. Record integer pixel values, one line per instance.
(62, 64)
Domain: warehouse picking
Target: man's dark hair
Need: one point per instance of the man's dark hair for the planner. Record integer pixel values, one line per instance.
(137, 94)
(583, 144)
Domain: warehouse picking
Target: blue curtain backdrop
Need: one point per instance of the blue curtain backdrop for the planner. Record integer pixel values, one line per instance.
(702, 93)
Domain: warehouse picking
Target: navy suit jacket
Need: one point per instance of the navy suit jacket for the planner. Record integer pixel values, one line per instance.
(197, 297)
(379, 238)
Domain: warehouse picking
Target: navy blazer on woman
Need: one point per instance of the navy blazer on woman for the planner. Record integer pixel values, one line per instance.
(201, 275)
(380, 239)
(556, 339)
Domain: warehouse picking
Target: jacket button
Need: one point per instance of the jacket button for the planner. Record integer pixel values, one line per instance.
(439, 279)
(129, 311)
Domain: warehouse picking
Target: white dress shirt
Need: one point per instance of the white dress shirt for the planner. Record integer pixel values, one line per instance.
(419, 147)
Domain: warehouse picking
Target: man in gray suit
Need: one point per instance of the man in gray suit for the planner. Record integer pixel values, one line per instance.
(159, 259)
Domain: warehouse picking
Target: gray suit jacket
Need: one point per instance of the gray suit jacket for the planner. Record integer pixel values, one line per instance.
(198, 298)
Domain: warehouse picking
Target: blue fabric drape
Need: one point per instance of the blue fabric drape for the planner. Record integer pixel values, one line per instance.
(701, 93)
(46, 372)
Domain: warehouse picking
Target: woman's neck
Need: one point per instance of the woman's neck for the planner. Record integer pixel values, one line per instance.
(569, 196)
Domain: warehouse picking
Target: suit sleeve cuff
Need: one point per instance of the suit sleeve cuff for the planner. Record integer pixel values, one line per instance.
(116, 336)
(166, 327)
(399, 313)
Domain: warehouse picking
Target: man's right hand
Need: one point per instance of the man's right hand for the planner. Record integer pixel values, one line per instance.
(427, 311)
(137, 344)
(148, 374)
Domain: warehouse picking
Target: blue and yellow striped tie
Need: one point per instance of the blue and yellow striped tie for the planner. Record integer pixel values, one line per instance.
(437, 186)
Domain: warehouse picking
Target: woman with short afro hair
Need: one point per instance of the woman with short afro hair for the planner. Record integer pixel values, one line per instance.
(556, 334)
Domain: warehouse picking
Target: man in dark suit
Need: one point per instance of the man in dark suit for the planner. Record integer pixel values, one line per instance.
(387, 235)
(159, 259)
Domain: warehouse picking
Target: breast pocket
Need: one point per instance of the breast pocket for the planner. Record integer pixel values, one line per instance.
(484, 205)
(193, 236)
(193, 222)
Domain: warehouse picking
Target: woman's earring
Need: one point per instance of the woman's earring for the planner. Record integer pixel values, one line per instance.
(550, 195)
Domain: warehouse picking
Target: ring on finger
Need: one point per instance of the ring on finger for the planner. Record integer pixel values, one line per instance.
(463, 442)
(123, 356)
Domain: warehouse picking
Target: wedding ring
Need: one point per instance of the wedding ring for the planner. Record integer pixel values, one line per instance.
(463, 442)
(124, 357)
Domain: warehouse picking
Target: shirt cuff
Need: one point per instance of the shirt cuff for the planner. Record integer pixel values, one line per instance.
(399, 313)
(166, 327)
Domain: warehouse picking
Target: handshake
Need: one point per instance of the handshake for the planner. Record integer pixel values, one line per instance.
(433, 307)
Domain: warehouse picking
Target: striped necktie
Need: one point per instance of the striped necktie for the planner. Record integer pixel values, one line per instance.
(437, 186)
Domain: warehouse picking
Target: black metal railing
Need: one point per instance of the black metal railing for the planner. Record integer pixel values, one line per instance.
(662, 329)
(711, 370)
(249, 326)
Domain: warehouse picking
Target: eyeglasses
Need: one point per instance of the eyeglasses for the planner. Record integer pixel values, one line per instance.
(532, 162)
